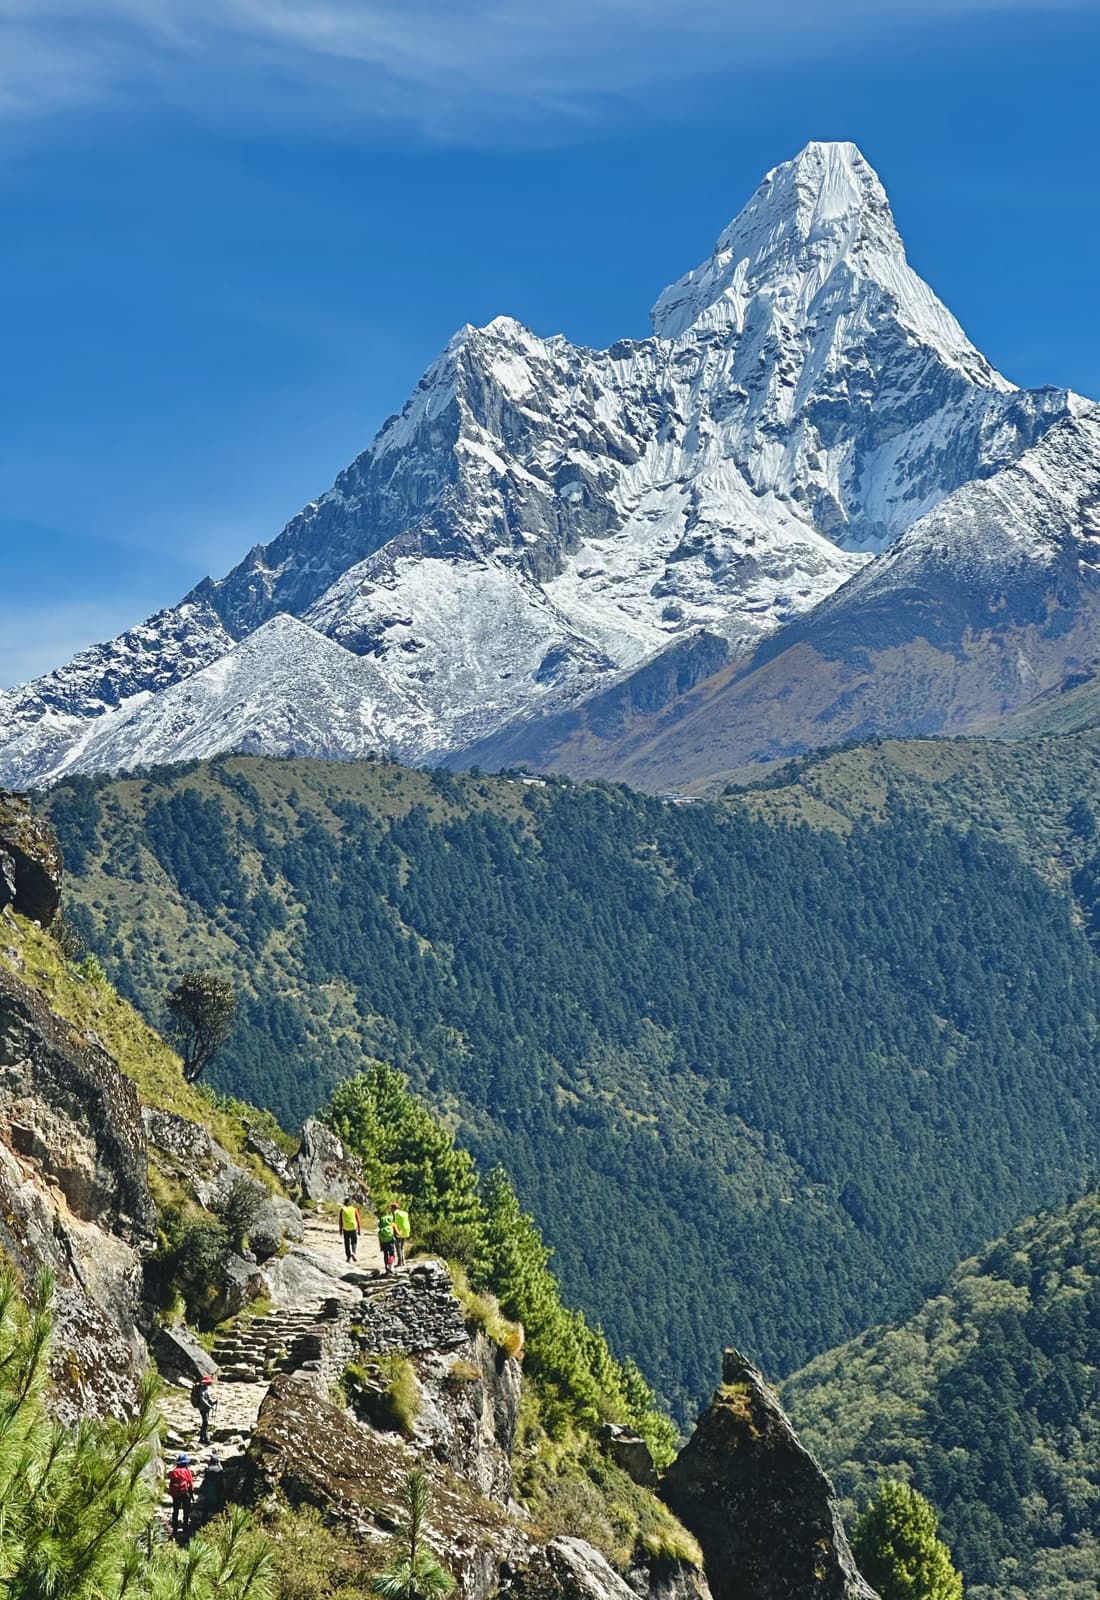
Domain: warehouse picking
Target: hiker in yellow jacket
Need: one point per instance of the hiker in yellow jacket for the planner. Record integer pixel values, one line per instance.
(351, 1228)
(401, 1227)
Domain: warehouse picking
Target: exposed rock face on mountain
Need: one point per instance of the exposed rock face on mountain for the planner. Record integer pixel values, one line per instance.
(989, 602)
(760, 1506)
(30, 861)
(74, 1196)
(543, 523)
(314, 1453)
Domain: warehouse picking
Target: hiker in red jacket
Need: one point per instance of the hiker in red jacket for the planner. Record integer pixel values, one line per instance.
(181, 1488)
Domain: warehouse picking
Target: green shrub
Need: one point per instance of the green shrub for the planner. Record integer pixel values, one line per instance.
(191, 1252)
(240, 1208)
(312, 1560)
(383, 1390)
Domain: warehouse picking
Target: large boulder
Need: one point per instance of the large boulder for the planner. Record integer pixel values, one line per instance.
(570, 1569)
(238, 1284)
(30, 861)
(629, 1451)
(179, 1355)
(326, 1171)
(760, 1506)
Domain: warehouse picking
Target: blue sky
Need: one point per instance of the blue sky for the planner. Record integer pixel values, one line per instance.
(236, 231)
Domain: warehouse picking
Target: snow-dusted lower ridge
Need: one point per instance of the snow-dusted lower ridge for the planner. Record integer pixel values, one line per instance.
(542, 521)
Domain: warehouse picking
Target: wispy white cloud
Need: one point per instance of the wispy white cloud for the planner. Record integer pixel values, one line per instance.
(451, 68)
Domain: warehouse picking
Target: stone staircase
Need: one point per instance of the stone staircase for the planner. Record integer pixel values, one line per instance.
(249, 1354)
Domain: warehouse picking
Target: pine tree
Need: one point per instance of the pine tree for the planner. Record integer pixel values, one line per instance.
(899, 1552)
(76, 1504)
(414, 1573)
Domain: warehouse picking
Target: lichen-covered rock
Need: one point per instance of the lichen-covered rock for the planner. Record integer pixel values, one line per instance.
(30, 861)
(567, 1569)
(325, 1170)
(469, 1407)
(272, 1157)
(760, 1506)
(74, 1197)
(68, 1110)
(183, 1142)
(314, 1453)
(290, 1219)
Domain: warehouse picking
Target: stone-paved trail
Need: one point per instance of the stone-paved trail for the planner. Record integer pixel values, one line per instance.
(307, 1280)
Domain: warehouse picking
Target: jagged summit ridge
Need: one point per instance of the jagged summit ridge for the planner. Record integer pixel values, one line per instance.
(541, 520)
(815, 238)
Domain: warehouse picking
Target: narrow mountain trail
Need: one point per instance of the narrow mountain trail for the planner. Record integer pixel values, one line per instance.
(283, 1338)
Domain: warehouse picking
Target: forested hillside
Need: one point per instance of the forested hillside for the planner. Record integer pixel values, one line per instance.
(756, 1081)
(988, 1399)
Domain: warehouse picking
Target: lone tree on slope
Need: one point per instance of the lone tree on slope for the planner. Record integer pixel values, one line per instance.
(896, 1545)
(414, 1573)
(202, 1008)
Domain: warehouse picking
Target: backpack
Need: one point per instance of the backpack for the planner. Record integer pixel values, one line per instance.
(196, 1395)
(385, 1230)
(180, 1483)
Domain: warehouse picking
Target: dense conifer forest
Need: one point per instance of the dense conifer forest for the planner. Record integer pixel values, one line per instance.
(988, 1399)
(758, 1081)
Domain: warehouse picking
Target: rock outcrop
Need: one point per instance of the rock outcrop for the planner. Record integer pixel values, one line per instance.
(757, 1501)
(315, 1453)
(30, 861)
(208, 1172)
(325, 1170)
(74, 1196)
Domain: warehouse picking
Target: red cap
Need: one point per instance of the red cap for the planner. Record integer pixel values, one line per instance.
(208, 1379)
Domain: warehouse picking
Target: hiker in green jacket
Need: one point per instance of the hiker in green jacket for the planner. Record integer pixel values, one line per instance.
(401, 1227)
(385, 1239)
(351, 1228)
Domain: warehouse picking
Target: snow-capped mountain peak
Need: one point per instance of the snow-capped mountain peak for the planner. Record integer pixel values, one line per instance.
(813, 243)
(541, 520)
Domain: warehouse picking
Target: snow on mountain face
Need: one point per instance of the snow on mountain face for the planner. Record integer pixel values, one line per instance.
(543, 519)
(285, 690)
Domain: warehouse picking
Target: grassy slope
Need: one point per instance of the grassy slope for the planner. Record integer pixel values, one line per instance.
(142, 1054)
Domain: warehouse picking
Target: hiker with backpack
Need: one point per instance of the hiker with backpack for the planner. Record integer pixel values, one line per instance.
(181, 1489)
(205, 1402)
(401, 1229)
(386, 1239)
(212, 1489)
(351, 1227)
